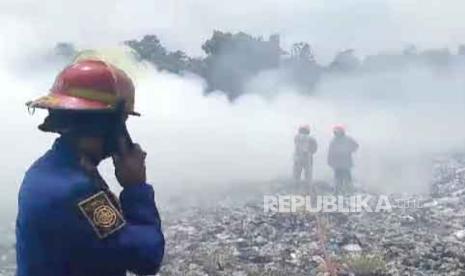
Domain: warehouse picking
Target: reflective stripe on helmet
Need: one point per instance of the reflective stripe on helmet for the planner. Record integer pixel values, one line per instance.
(92, 94)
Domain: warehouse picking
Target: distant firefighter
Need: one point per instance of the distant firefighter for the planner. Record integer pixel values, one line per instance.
(340, 160)
(305, 147)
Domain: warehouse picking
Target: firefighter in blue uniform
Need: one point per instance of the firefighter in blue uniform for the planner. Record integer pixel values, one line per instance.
(69, 223)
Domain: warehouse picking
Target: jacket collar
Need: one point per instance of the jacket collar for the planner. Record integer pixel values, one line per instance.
(64, 151)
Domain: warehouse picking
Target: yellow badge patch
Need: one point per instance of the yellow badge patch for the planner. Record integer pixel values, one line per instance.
(104, 217)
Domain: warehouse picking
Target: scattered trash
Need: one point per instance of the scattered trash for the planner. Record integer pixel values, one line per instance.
(235, 237)
(352, 248)
(460, 234)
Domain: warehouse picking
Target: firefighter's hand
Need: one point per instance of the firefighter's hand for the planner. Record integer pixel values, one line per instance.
(130, 165)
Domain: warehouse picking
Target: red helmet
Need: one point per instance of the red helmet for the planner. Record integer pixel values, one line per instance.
(89, 85)
(339, 128)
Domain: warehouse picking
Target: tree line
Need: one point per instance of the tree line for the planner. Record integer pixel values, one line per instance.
(231, 60)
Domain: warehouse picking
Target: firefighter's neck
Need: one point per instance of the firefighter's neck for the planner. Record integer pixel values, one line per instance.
(88, 148)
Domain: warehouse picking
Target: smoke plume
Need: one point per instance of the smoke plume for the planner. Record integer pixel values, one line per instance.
(401, 119)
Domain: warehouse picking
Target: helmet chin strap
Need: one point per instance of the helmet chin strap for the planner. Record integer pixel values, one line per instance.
(30, 109)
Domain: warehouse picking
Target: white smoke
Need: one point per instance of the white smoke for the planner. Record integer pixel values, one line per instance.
(328, 25)
(401, 119)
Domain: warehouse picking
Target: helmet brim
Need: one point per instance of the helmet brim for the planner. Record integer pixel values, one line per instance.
(65, 102)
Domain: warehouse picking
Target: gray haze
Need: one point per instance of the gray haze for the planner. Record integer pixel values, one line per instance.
(401, 119)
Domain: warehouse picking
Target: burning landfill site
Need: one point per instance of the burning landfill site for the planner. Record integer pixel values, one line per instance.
(232, 137)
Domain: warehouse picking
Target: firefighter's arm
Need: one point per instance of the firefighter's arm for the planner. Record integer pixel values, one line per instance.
(313, 146)
(330, 157)
(355, 145)
(126, 239)
(143, 229)
(136, 245)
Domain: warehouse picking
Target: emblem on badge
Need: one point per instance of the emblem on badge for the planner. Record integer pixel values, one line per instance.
(103, 216)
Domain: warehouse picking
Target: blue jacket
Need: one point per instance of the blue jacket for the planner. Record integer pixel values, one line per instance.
(55, 239)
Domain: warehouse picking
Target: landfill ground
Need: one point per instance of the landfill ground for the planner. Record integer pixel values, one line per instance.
(232, 235)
